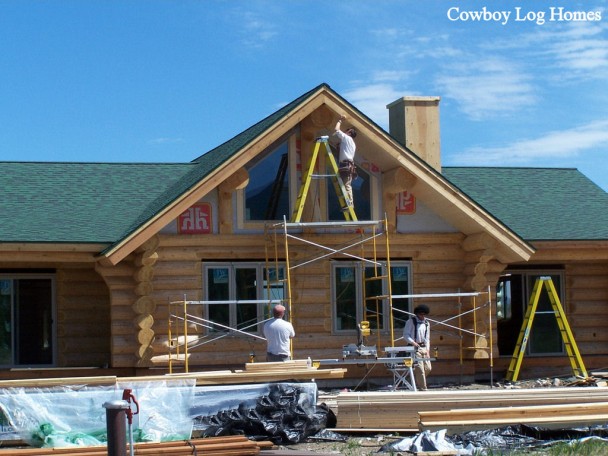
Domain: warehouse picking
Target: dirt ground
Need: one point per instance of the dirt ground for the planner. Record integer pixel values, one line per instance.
(356, 445)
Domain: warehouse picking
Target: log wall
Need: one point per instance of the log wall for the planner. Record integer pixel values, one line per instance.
(83, 318)
(438, 262)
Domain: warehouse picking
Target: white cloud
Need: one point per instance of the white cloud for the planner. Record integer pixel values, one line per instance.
(576, 50)
(255, 30)
(553, 146)
(372, 100)
(490, 87)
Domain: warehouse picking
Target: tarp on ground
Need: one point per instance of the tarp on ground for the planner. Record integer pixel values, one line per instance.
(519, 437)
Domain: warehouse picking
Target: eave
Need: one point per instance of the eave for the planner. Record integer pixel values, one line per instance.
(49, 252)
(570, 251)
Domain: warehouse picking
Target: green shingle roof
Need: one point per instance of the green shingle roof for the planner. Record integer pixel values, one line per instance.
(106, 202)
(537, 203)
(78, 202)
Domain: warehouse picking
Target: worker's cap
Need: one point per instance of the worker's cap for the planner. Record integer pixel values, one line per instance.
(422, 309)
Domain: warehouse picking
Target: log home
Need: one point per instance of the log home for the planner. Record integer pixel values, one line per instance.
(93, 254)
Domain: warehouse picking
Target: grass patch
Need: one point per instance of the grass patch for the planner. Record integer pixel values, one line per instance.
(589, 447)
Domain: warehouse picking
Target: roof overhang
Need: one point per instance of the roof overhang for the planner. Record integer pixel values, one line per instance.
(49, 252)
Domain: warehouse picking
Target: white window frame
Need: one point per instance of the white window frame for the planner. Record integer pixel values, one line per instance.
(358, 280)
(263, 310)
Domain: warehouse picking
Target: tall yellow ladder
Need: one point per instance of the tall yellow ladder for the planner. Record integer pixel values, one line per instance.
(349, 211)
(578, 368)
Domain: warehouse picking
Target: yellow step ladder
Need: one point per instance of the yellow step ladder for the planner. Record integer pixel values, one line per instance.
(578, 368)
(349, 211)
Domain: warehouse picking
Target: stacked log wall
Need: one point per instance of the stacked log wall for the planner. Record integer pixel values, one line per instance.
(83, 318)
(437, 262)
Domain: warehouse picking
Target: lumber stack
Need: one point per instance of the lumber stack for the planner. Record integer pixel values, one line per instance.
(548, 416)
(375, 410)
(212, 446)
(253, 373)
(264, 373)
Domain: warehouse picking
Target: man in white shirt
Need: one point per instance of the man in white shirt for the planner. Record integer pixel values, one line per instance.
(417, 333)
(346, 158)
(278, 333)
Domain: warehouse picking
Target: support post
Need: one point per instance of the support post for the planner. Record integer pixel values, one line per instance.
(116, 423)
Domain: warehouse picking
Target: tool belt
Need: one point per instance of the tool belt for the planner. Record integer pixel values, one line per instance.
(347, 167)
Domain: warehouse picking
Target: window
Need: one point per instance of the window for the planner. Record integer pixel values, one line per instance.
(512, 299)
(26, 320)
(235, 286)
(349, 296)
(362, 196)
(269, 193)
(275, 180)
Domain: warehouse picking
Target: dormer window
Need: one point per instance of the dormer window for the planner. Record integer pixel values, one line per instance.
(267, 195)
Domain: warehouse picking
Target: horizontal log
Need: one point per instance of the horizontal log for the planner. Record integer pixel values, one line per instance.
(178, 268)
(80, 344)
(189, 254)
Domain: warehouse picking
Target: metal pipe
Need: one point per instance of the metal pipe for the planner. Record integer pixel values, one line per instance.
(116, 423)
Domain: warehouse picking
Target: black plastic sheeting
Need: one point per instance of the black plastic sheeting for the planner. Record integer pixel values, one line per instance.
(518, 437)
(285, 416)
(525, 437)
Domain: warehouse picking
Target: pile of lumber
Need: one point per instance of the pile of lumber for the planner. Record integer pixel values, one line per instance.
(294, 370)
(212, 446)
(264, 373)
(547, 416)
(403, 411)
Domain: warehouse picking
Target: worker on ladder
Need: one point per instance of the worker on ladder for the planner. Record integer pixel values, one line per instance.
(346, 165)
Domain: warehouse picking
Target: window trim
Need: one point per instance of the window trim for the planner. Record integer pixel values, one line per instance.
(262, 311)
(359, 271)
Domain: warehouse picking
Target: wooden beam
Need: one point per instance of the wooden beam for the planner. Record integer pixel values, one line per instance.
(398, 180)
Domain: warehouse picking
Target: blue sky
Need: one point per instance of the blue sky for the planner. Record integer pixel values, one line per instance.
(165, 81)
